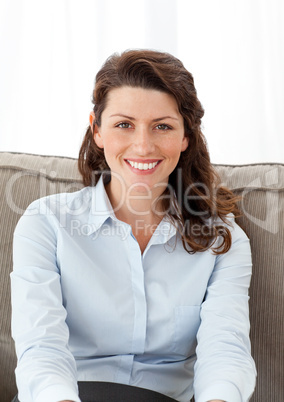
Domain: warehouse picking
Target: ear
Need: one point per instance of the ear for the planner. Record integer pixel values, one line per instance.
(184, 144)
(95, 130)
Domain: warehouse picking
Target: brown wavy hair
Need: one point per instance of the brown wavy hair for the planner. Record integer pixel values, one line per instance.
(200, 206)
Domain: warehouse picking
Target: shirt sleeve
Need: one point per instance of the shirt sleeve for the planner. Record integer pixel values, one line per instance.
(46, 369)
(224, 368)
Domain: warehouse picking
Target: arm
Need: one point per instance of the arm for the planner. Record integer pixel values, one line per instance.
(224, 367)
(46, 369)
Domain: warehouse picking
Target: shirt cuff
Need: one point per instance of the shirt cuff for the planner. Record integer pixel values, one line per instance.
(56, 393)
(224, 391)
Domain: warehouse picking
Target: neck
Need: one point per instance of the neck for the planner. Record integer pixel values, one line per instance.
(130, 206)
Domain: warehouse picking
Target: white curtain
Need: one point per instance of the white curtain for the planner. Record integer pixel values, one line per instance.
(51, 50)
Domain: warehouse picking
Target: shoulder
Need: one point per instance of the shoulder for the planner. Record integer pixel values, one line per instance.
(230, 223)
(54, 210)
(228, 230)
(60, 203)
(62, 200)
(237, 233)
(240, 250)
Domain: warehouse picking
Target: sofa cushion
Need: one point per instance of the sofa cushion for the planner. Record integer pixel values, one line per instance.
(24, 178)
(262, 189)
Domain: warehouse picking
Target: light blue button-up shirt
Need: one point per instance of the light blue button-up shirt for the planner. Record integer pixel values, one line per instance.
(87, 306)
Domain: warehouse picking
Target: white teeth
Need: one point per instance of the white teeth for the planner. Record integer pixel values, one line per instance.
(142, 166)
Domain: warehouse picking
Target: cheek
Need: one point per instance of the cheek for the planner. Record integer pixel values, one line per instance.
(173, 147)
(112, 147)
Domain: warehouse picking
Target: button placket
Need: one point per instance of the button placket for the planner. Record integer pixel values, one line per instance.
(139, 296)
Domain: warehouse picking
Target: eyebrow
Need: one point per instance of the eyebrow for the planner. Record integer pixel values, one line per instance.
(133, 118)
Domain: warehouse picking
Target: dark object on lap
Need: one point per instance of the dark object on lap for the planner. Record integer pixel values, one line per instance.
(113, 392)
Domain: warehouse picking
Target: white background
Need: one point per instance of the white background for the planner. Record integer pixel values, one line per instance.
(51, 50)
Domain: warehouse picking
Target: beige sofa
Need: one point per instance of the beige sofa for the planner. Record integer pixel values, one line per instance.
(25, 177)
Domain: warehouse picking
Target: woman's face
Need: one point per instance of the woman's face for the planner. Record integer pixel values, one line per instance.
(142, 134)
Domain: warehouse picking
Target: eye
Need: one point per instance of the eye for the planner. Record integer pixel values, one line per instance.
(123, 125)
(163, 127)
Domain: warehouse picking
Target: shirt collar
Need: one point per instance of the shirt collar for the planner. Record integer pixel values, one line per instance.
(101, 210)
(164, 232)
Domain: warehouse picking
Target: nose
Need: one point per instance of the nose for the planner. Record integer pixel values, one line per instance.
(144, 141)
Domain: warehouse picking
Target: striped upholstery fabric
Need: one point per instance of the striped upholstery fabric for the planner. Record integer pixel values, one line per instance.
(262, 189)
(24, 178)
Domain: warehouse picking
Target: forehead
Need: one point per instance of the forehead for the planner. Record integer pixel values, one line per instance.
(140, 99)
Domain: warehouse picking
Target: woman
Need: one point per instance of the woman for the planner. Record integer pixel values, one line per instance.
(141, 278)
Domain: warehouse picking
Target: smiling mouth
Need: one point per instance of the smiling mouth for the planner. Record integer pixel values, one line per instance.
(143, 166)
